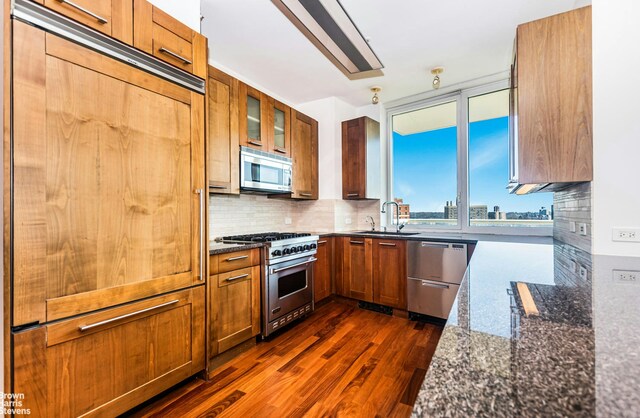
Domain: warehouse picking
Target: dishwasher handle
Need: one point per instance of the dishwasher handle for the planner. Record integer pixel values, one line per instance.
(434, 244)
(429, 283)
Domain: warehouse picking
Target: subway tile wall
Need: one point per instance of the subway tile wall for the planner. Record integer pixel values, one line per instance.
(573, 205)
(232, 215)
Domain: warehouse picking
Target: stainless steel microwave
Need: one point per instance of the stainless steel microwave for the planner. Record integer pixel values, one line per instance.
(264, 172)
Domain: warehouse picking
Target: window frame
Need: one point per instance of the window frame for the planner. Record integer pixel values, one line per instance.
(462, 98)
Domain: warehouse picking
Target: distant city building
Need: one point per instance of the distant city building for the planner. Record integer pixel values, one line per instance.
(497, 215)
(403, 209)
(450, 210)
(544, 214)
(478, 212)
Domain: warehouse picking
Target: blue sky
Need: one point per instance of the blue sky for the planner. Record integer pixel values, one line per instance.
(425, 166)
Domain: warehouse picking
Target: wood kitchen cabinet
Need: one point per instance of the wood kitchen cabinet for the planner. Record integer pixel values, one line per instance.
(304, 152)
(234, 299)
(360, 159)
(111, 17)
(104, 209)
(106, 363)
(222, 132)
(390, 273)
(357, 266)
(323, 269)
(166, 38)
(279, 120)
(254, 111)
(552, 101)
(372, 270)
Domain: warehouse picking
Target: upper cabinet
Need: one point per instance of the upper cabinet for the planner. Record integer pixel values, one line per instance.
(551, 103)
(304, 152)
(360, 159)
(265, 123)
(164, 37)
(111, 17)
(222, 132)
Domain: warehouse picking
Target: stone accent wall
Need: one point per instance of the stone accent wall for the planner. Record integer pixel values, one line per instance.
(573, 205)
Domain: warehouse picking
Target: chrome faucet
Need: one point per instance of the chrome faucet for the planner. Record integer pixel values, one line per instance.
(369, 219)
(384, 207)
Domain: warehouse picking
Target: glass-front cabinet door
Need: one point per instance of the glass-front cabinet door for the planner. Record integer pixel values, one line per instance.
(253, 109)
(281, 143)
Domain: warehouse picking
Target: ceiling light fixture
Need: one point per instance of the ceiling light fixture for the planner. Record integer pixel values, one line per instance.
(436, 80)
(375, 99)
(328, 26)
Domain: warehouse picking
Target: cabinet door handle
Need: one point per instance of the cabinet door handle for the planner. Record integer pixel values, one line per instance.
(240, 257)
(387, 244)
(280, 150)
(174, 55)
(99, 18)
(118, 318)
(322, 242)
(306, 194)
(353, 194)
(242, 276)
(257, 143)
(201, 193)
(357, 242)
(217, 187)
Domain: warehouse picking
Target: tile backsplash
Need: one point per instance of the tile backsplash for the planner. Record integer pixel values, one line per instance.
(247, 213)
(573, 205)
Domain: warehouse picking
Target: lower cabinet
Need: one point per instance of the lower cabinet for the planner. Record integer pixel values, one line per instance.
(234, 300)
(106, 363)
(372, 270)
(323, 269)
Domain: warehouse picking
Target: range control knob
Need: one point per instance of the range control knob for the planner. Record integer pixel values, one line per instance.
(294, 250)
(300, 248)
(286, 251)
(307, 247)
(276, 253)
(314, 246)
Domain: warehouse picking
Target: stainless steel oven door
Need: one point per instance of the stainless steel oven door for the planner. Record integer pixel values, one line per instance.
(290, 286)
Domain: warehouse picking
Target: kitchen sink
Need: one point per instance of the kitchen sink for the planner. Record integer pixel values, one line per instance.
(387, 233)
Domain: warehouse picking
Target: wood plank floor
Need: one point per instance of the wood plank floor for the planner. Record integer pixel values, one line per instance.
(341, 361)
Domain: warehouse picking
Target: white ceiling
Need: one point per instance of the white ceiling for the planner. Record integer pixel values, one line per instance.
(470, 38)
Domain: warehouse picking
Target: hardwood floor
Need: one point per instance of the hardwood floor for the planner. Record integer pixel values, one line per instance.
(341, 361)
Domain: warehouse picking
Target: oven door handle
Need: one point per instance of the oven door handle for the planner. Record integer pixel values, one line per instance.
(309, 261)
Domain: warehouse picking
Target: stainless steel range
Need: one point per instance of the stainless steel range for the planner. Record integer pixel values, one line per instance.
(287, 279)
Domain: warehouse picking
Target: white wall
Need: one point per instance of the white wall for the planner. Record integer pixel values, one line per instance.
(616, 139)
(186, 11)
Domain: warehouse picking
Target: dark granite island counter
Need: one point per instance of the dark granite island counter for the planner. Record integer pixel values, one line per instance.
(540, 330)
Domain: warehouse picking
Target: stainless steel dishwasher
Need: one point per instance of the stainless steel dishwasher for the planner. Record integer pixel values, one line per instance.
(435, 270)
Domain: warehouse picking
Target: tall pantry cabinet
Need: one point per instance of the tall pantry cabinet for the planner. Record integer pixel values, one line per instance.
(107, 251)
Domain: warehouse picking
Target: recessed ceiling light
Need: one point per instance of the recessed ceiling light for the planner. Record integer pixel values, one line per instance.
(328, 26)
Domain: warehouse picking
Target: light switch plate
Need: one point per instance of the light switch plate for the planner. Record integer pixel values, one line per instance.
(347, 221)
(572, 226)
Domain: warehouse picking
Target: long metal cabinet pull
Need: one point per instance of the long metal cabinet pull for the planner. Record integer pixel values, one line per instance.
(311, 260)
(85, 11)
(174, 55)
(242, 276)
(240, 257)
(430, 284)
(356, 242)
(201, 193)
(117, 318)
(387, 244)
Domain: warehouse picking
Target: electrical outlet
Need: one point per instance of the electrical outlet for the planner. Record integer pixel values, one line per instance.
(572, 226)
(626, 276)
(626, 234)
(287, 221)
(347, 221)
(582, 228)
(583, 273)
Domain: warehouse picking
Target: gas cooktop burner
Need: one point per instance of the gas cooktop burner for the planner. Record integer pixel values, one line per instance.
(265, 237)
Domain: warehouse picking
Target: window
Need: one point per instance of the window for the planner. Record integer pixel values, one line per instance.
(447, 177)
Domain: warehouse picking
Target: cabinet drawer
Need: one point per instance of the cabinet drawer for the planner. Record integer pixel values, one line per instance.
(171, 48)
(236, 260)
(235, 276)
(108, 362)
(111, 17)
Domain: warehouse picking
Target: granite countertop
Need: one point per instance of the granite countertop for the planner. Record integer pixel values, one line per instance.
(501, 356)
(220, 248)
